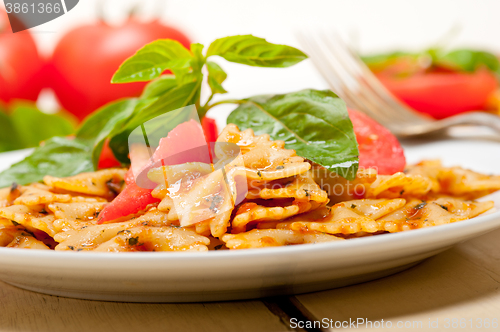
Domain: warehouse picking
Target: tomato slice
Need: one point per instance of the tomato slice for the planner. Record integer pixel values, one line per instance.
(378, 147)
(182, 144)
(443, 94)
(108, 160)
(210, 129)
(129, 202)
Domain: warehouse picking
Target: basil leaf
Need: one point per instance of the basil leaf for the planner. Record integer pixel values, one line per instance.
(193, 74)
(107, 121)
(199, 59)
(186, 75)
(254, 51)
(33, 126)
(119, 146)
(58, 156)
(470, 61)
(9, 139)
(95, 125)
(159, 86)
(152, 60)
(215, 77)
(313, 123)
(173, 99)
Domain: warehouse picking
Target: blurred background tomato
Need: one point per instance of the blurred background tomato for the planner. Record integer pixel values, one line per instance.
(69, 80)
(21, 67)
(440, 84)
(86, 58)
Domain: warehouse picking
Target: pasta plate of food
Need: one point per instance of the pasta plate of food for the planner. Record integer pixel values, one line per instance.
(293, 242)
(295, 194)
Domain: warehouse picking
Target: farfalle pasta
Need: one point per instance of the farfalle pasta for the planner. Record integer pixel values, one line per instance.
(268, 196)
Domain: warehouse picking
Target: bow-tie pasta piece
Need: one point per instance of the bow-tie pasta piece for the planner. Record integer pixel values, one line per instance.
(155, 239)
(261, 238)
(101, 183)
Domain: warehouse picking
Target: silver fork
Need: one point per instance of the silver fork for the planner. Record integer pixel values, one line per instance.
(353, 81)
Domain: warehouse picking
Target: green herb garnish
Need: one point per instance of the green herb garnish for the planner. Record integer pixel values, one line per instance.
(133, 241)
(420, 206)
(314, 123)
(444, 207)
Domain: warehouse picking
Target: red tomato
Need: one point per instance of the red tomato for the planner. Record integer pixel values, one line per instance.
(107, 158)
(181, 145)
(210, 128)
(130, 201)
(20, 64)
(443, 94)
(186, 137)
(86, 58)
(378, 147)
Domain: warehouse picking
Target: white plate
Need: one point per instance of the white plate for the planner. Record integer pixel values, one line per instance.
(229, 275)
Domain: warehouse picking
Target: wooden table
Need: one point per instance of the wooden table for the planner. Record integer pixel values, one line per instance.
(461, 283)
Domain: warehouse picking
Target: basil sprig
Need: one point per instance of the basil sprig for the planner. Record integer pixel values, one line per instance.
(314, 123)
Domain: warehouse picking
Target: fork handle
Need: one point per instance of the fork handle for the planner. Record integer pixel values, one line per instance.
(471, 118)
(477, 118)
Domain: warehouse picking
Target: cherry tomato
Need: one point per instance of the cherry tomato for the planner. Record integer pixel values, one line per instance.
(86, 58)
(378, 147)
(21, 67)
(443, 94)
